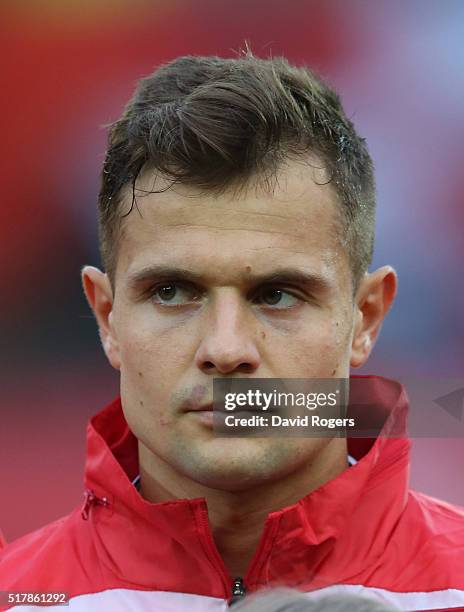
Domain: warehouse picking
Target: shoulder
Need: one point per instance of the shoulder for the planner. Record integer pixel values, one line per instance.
(430, 536)
(437, 517)
(46, 559)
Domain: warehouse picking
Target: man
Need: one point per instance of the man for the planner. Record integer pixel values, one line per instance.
(236, 231)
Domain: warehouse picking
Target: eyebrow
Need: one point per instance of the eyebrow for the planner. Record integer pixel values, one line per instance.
(313, 281)
(161, 272)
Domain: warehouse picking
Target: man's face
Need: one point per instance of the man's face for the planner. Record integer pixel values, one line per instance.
(227, 286)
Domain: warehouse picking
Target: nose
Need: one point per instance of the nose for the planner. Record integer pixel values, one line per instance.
(228, 340)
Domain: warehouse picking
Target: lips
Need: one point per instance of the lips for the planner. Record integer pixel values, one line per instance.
(195, 408)
(204, 408)
(208, 408)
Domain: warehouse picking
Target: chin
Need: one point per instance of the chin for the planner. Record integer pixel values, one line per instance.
(238, 466)
(232, 480)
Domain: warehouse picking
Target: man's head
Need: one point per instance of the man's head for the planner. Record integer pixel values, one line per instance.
(236, 220)
(215, 124)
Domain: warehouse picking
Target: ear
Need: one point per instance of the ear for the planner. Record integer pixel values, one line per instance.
(99, 294)
(374, 298)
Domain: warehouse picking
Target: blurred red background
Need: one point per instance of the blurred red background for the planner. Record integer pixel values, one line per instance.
(69, 67)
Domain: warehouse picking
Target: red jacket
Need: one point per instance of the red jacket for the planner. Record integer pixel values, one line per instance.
(364, 531)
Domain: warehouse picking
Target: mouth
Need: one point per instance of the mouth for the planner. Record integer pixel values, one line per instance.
(202, 408)
(244, 410)
(208, 415)
(204, 414)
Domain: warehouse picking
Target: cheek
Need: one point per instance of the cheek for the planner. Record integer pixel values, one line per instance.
(321, 351)
(340, 342)
(146, 383)
(150, 364)
(150, 345)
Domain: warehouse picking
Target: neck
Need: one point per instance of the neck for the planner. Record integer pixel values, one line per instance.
(237, 517)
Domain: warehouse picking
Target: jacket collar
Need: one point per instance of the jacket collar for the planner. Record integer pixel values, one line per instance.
(330, 536)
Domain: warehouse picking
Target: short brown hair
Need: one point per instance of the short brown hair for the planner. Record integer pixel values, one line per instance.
(211, 123)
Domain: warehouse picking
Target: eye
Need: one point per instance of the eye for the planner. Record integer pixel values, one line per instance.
(173, 294)
(276, 298)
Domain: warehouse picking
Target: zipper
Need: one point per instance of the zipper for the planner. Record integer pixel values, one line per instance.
(89, 499)
(238, 590)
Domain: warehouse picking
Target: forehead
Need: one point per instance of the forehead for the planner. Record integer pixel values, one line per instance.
(297, 221)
